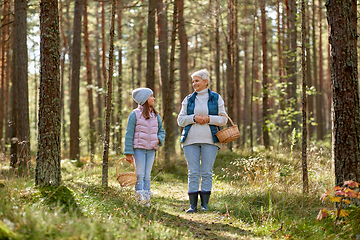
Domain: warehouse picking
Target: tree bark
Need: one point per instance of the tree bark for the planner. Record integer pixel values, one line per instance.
(217, 45)
(265, 114)
(151, 33)
(314, 62)
(170, 133)
(99, 81)
(342, 19)
(48, 159)
(304, 101)
(2, 85)
(319, 96)
(230, 90)
(21, 69)
(184, 74)
(105, 165)
(246, 79)
(75, 82)
(89, 87)
(120, 88)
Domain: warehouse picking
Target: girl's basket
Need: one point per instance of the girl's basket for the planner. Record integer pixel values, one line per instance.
(228, 134)
(128, 178)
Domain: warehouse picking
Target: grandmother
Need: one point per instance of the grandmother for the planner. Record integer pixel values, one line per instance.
(200, 117)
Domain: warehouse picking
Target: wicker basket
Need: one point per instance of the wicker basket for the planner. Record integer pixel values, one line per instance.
(228, 134)
(126, 179)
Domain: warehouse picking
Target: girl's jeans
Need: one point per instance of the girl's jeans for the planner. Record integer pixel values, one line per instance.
(144, 160)
(196, 168)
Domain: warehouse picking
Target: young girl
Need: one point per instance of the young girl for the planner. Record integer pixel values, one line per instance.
(144, 133)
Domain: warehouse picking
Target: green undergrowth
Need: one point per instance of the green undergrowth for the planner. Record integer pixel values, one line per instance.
(255, 196)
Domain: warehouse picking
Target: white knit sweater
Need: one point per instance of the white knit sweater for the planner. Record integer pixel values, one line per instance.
(201, 133)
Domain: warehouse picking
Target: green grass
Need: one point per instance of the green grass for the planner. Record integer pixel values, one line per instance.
(255, 196)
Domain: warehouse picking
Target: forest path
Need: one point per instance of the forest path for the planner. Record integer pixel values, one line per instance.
(171, 198)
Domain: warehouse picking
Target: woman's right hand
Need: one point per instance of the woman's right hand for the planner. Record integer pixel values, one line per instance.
(202, 119)
(129, 158)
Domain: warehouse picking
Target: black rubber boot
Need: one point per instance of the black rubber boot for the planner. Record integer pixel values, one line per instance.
(204, 196)
(193, 198)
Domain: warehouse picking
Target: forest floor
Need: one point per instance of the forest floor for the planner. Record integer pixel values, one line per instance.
(254, 196)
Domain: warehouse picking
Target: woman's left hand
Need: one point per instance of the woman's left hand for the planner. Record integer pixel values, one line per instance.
(202, 119)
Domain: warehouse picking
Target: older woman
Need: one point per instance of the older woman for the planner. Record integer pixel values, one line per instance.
(200, 117)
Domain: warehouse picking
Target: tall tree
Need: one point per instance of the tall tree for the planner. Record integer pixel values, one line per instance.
(21, 70)
(89, 84)
(170, 133)
(75, 82)
(304, 100)
(184, 74)
(167, 90)
(48, 169)
(65, 51)
(265, 114)
(314, 60)
(319, 97)
(120, 85)
(342, 19)
(310, 98)
(230, 90)
(105, 165)
(217, 45)
(151, 33)
(99, 81)
(292, 63)
(253, 72)
(246, 76)
(2, 83)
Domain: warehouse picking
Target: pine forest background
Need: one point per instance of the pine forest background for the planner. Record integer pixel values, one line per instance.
(248, 64)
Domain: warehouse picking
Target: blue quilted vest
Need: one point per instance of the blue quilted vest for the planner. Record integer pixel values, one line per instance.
(213, 110)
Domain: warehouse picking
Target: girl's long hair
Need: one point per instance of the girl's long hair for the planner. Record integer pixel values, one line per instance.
(147, 110)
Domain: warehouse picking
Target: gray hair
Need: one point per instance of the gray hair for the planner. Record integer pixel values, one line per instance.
(203, 73)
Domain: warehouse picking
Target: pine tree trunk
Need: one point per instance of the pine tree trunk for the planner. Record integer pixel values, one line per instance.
(48, 159)
(105, 165)
(21, 69)
(99, 81)
(170, 133)
(265, 116)
(314, 62)
(292, 63)
(89, 85)
(319, 96)
(342, 19)
(246, 79)
(75, 82)
(252, 84)
(184, 74)
(62, 72)
(151, 33)
(304, 99)
(120, 89)
(14, 124)
(8, 76)
(310, 98)
(217, 45)
(230, 88)
(167, 90)
(139, 60)
(2, 84)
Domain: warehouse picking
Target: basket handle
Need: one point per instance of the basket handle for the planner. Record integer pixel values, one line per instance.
(122, 159)
(228, 118)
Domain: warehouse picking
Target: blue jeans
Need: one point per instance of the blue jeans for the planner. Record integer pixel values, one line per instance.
(144, 160)
(200, 169)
